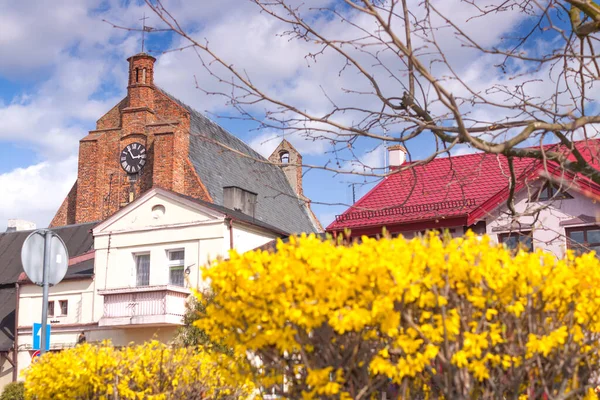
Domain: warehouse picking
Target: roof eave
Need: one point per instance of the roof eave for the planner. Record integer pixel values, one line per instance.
(405, 226)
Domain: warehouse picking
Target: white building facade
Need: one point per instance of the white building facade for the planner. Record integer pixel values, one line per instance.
(147, 259)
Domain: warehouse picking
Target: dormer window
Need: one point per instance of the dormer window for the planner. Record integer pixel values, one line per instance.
(284, 157)
(551, 191)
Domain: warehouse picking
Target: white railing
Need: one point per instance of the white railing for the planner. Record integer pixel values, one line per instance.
(144, 301)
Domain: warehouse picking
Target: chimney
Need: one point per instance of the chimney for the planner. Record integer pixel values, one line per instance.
(396, 156)
(15, 225)
(238, 199)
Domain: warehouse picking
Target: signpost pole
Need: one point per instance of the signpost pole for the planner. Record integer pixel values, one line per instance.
(47, 249)
(45, 259)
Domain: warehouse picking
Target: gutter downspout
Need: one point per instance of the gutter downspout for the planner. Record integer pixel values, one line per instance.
(15, 374)
(230, 224)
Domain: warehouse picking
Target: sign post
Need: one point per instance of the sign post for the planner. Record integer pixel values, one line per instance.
(46, 288)
(45, 261)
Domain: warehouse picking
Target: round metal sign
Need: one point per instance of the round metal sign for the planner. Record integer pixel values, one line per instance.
(32, 257)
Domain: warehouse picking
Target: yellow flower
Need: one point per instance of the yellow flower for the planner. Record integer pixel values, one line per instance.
(321, 319)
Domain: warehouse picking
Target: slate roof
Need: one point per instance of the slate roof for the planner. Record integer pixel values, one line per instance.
(235, 215)
(78, 240)
(218, 167)
(8, 301)
(466, 186)
(84, 269)
(272, 245)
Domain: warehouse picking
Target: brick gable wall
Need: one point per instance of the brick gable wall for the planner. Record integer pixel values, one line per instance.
(66, 213)
(145, 116)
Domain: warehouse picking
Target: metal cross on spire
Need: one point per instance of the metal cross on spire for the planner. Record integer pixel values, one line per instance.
(143, 29)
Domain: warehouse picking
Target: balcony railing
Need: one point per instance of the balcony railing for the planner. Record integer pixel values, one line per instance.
(156, 305)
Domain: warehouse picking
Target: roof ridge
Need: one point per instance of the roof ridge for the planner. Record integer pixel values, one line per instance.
(54, 228)
(220, 158)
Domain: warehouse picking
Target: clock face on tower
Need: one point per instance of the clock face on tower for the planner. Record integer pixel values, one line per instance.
(133, 158)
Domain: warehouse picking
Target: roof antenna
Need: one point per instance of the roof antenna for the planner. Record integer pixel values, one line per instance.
(143, 29)
(353, 192)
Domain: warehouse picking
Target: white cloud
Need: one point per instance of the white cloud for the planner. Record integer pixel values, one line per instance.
(266, 142)
(57, 114)
(35, 193)
(70, 58)
(371, 161)
(35, 33)
(79, 56)
(253, 43)
(73, 58)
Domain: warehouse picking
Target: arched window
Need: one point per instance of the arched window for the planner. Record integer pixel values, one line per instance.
(284, 157)
(158, 211)
(137, 75)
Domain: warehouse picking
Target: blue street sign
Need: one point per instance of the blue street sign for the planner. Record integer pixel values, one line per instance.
(37, 336)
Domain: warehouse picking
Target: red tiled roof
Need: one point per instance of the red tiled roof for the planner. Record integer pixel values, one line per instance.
(466, 186)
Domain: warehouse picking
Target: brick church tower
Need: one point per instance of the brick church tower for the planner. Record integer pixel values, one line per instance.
(291, 164)
(150, 139)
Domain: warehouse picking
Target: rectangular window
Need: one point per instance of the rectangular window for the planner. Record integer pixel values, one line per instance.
(50, 309)
(142, 273)
(515, 240)
(583, 239)
(64, 307)
(176, 267)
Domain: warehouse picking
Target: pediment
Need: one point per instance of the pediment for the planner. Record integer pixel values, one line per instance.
(158, 209)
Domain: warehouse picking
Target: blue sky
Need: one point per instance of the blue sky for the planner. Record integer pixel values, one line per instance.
(63, 67)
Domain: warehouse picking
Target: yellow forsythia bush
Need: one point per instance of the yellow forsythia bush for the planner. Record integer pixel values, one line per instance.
(149, 371)
(430, 317)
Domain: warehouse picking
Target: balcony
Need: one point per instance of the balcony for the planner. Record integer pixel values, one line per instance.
(145, 305)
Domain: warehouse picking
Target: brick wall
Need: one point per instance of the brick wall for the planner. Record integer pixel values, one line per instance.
(145, 116)
(87, 193)
(112, 119)
(163, 160)
(193, 186)
(293, 172)
(66, 213)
